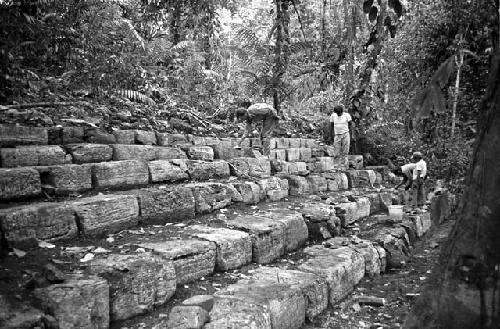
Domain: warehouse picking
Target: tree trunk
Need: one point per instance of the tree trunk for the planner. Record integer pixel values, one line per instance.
(281, 50)
(459, 61)
(465, 289)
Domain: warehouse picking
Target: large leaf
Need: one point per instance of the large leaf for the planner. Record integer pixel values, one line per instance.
(367, 4)
(443, 73)
(373, 13)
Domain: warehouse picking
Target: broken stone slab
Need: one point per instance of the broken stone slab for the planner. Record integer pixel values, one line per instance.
(24, 225)
(204, 301)
(342, 268)
(374, 255)
(233, 247)
(137, 282)
(82, 302)
(200, 152)
(225, 151)
(19, 314)
(349, 214)
(278, 154)
(363, 208)
(321, 220)
(167, 139)
(18, 183)
(95, 135)
(317, 152)
(274, 187)
(294, 142)
(120, 174)
(212, 196)
(193, 317)
(313, 287)
(250, 167)
(336, 181)
(361, 178)
(250, 192)
(124, 136)
(268, 236)
(305, 154)
(23, 156)
(164, 205)
(66, 179)
(394, 240)
(90, 153)
(355, 161)
(70, 135)
(284, 305)
(203, 170)
(317, 183)
(199, 140)
(168, 171)
(296, 168)
(296, 233)
(326, 164)
(143, 137)
(134, 152)
(282, 143)
(297, 185)
(192, 258)
(102, 214)
(11, 135)
(293, 154)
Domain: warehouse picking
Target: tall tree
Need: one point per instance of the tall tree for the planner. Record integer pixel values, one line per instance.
(282, 48)
(465, 289)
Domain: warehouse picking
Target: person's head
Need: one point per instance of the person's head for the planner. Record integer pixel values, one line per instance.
(417, 156)
(339, 109)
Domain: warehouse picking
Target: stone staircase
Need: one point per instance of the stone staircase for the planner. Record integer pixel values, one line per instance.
(126, 223)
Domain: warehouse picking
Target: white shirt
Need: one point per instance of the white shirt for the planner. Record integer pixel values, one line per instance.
(422, 167)
(340, 123)
(407, 169)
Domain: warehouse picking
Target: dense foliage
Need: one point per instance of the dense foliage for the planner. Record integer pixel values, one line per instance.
(382, 59)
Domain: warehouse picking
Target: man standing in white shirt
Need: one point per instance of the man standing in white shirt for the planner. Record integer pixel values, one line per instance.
(342, 125)
(419, 176)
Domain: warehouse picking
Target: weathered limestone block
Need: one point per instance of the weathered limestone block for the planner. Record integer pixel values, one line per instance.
(24, 225)
(169, 153)
(90, 153)
(294, 142)
(375, 206)
(314, 288)
(255, 142)
(19, 183)
(296, 233)
(32, 156)
(192, 317)
(295, 168)
(342, 268)
(124, 136)
(11, 135)
(394, 240)
(225, 151)
(212, 196)
(137, 282)
(192, 258)
(167, 139)
(71, 135)
(317, 183)
(103, 214)
(237, 312)
(355, 161)
(374, 257)
(326, 164)
(321, 220)
(82, 302)
(134, 152)
(205, 153)
(198, 140)
(317, 152)
(274, 187)
(363, 207)
(310, 143)
(250, 167)
(164, 205)
(293, 154)
(297, 185)
(268, 236)
(282, 143)
(305, 154)
(278, 154)
(168, 170)
(66, 179)
(337, 181)
(349, 213)
(95, 135)
(273, 143)
(250, 192)
(285, 305)
(120, 173)
(233, 248)
(203, 170)
(143, 137)
(361, 178)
